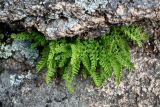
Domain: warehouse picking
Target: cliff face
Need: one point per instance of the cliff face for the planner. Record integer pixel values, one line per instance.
(60, 18)
(20, 86)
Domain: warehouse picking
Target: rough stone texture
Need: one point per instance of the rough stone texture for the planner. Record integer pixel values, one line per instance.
(140, 87)
(88, 18)
(20, 86)
(7, 50)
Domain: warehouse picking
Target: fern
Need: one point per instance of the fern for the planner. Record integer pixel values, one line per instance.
(66, 76)
(75, 60)
(99, 58)
(134, 33)
(117, 67)
(22, 36)
(42, 62)
(51, 65)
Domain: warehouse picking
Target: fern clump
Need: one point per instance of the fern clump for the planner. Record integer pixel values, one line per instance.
(99, 58)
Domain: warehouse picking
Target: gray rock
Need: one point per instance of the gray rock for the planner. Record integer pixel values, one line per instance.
(22, 48)
(87, 18)
(140, 87)
(20, 86)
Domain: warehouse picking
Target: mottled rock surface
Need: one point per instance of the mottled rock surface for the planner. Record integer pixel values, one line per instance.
(20, 86)
(87, 18)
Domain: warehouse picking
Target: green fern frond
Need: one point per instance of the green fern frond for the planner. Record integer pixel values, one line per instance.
(94, 60)
(64, 58)
(66, 77)
(22, 36)
(117, 67)
(39, 40)
(134, 33)
(106, 70)
(98, 58)
(75, 59)
(85, 60)
(42, 62)
(75, 64)
(50, 62)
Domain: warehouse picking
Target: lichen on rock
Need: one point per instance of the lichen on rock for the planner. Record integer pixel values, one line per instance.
(21, 47)
(87, 18)
(5, 51)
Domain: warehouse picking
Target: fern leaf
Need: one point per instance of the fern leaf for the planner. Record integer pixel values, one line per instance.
(94, 60)
(85, 61)
(135, 34)
(117, 70)
(123, 55)
(22, 36)
(66, 76)
(75, 58)
(42, 62)
(39, 40)
(75, 61)
(50, 63)
(84, 56)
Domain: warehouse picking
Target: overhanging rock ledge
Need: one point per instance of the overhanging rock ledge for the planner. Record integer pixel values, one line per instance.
(88, 18)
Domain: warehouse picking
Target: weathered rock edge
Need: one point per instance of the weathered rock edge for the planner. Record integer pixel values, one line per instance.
(60, 18)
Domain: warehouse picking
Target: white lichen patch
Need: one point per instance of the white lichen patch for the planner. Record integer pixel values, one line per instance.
(120, 10)
(16, 79)
(91, 5)
(7, 51)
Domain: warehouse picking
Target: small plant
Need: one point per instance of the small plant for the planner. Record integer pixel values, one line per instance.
(98, 58)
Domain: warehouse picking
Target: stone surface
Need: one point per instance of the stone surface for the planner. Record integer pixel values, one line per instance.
(20, 86)
(140, 87)
(87, 18)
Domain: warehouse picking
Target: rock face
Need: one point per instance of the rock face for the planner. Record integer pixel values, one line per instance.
(88, 18)
(20, 86)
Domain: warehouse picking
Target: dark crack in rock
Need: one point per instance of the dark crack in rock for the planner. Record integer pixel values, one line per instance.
(87, 18)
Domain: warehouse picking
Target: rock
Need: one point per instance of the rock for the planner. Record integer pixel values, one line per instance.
(140, 87)
(20, 86)
(86, 18)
